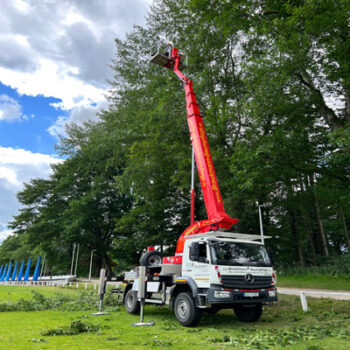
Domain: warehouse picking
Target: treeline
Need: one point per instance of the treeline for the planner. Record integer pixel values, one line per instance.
(273, 82)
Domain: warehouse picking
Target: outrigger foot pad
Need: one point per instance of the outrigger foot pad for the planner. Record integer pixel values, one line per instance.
(143, 324)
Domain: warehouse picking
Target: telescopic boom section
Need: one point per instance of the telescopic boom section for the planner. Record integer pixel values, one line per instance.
(217, 217)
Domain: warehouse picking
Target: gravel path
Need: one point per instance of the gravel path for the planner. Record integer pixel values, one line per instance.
(316, 293)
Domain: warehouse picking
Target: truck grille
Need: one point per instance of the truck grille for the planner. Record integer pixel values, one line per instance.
(230, 281)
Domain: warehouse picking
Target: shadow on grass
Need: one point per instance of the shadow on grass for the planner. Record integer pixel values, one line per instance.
(219, 320)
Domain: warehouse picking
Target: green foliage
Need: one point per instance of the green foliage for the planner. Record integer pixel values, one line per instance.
(75, 327)
(17, 248)
(335, 266)
(267, 75)
(265, 339)
(83, 301)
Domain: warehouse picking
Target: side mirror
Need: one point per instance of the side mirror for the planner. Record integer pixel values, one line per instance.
(194, 251)
(271, 255)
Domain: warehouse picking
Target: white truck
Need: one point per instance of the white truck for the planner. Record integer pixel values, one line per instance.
(219, 270)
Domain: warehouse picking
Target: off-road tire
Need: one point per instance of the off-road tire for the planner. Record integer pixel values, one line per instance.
(132, 305)
(186, 311)
(248, 312)
(152, 258)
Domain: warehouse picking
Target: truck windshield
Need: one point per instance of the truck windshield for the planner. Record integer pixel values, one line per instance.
(241, 254)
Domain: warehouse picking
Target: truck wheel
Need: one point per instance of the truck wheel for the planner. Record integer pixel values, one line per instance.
(152, 258)
(132, 306)
(248, 312)
(185, 310)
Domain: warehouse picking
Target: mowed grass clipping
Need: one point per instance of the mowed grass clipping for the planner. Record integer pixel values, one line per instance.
(341, 282)
(281, 326)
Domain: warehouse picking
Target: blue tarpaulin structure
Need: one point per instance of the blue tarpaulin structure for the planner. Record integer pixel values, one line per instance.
(3, 273)
(8, 272)
(37, 269)
(26, 276)
(20, 273)
(14, 271)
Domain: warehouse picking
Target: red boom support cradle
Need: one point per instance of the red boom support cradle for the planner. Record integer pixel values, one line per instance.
(217, 217)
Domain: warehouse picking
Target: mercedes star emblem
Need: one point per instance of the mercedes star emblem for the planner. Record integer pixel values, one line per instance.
(249, 278)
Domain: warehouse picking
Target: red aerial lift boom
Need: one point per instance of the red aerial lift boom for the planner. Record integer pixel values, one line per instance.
(217, 217)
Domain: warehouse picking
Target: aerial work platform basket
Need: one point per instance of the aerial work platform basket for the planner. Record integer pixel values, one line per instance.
(164, 59)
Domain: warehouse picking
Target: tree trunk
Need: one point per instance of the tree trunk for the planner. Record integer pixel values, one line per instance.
(328, 114)
(309, 235)
(320, 227)
(322, 234)
(304, 189)
(346, 232)
(106, 263)
(294, 230)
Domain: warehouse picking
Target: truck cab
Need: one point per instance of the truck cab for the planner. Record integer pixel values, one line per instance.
(232, 267)
(219, 270)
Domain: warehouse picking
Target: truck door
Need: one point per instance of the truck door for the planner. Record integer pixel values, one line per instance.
(200, 263)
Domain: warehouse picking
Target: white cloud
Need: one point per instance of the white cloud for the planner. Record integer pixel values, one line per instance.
(13, 157)
(18, 166)
(53, 80)
(21, 5)
(63, 49)
(10, 177)
(10, 109)
(4, 234)
(16, 53)
(77, 115)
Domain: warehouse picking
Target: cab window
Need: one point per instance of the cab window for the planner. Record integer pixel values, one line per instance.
(198, 252)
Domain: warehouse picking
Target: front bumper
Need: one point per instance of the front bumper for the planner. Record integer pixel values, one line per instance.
(217, 295)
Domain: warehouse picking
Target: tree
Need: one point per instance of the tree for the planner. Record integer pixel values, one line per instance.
(79, 203)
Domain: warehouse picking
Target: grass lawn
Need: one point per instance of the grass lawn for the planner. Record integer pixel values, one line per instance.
(315, 281)
(281, 326)
(11, 293)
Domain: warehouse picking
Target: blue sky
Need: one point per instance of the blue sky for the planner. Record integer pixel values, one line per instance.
(31, 133)
(54, 64)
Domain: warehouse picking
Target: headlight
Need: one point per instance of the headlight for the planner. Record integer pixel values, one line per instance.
(274, 277)
(272, 293)
(221, 294)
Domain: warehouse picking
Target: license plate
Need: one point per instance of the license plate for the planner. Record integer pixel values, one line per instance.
(250, 294)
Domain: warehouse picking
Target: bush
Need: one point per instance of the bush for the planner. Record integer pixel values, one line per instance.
(75, 327)
(333, 265)
(84, 301)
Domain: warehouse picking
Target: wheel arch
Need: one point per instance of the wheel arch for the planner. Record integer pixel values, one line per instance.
(183, 284)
